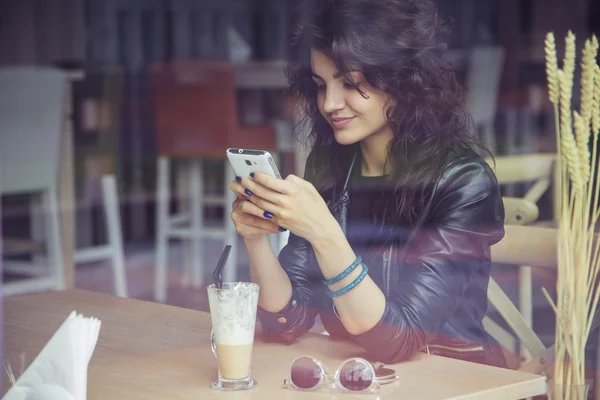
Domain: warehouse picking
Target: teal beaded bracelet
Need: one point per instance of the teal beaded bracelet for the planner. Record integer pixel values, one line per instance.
(350, 286)
(344, 274)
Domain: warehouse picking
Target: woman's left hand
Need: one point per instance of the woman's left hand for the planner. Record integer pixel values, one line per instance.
(292, 203)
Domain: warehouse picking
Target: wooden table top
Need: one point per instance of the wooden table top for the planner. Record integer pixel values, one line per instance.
(153, 351)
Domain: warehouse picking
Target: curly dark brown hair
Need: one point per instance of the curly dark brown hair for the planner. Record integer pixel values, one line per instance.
(399, 46)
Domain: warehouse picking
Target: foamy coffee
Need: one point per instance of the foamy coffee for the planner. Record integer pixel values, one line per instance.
(233, 315)
(234, 348)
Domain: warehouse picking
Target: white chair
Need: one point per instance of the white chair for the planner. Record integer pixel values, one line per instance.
(32, 116)
(483, 82)
(113, 250)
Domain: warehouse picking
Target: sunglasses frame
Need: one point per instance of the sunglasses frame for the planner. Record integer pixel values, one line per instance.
(334, 380)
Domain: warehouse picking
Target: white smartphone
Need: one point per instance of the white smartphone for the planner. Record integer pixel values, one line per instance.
(245, 161)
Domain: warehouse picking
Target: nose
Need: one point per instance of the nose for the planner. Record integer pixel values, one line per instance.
(334, 100)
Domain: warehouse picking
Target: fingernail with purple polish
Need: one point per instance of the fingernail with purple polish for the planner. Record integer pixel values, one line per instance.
(249, 193)
(282, 229)
(252, 174)
(268, 214)
(237, 178)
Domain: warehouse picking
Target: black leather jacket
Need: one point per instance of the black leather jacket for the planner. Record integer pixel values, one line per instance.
(435, 278)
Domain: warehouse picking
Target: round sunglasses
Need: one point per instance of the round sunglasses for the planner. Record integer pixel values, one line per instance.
(354, 375)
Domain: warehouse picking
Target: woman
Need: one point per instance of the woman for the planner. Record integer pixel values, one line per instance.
(392, 177)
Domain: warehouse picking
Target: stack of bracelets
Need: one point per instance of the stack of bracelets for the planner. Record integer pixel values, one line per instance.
(344, 274)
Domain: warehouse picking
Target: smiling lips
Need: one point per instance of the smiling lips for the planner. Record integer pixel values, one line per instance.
(341, 122)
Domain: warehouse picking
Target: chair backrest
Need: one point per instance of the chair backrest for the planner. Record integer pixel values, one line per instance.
(527, 245)
(522, 168)
(483, 81)
(32, 115)
(195, 107)
(196, 112)
(519, 211)
(527, 168)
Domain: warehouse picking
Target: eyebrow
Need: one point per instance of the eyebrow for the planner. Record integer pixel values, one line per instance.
(335, 76)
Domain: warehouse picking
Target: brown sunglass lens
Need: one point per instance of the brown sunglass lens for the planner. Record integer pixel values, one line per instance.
(305, 373)
(356, 376)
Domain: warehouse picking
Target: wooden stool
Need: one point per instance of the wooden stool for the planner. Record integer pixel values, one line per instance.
(196, 118)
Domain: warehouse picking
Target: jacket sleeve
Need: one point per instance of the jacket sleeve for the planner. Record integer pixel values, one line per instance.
(439, 262)
(298, 316)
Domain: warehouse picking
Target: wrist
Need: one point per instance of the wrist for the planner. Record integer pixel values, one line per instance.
(333, 243)
(258, 241)
(329, 238)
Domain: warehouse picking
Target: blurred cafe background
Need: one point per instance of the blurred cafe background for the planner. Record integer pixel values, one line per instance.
(115, 116)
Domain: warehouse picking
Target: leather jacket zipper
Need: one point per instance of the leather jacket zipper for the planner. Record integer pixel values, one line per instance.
(387, 256)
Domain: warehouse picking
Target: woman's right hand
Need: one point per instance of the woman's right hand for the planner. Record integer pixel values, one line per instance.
(249, 220)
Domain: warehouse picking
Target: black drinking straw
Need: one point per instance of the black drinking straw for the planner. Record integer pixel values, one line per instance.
(218, 274)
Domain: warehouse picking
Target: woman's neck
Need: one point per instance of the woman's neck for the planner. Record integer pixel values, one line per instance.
(374, 150)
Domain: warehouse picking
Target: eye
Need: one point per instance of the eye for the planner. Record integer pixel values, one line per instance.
(351, 85)
(320, 86)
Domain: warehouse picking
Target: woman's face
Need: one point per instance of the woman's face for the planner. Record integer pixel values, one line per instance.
(353, 117)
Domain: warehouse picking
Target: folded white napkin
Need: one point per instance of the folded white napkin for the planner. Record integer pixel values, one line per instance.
(60, 370)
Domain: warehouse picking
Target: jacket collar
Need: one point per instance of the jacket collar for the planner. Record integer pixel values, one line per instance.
(343, 188)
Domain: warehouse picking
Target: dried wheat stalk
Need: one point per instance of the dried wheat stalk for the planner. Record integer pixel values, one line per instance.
(578, 255)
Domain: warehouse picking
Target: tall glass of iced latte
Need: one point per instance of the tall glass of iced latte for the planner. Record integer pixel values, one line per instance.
(233, 315)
